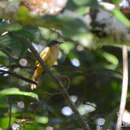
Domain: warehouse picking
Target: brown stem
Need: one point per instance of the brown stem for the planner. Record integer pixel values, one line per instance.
(18, 76)
(124, 87)
(9, 97)
(10, 112)
(83, 124)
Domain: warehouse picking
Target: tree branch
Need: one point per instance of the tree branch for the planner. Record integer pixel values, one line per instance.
(83, 124)
(10, 100)
(18, 76)
(124, 87)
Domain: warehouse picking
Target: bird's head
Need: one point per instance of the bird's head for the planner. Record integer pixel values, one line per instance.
(54, 42)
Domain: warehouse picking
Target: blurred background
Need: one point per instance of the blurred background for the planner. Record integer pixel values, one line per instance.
(90, 58)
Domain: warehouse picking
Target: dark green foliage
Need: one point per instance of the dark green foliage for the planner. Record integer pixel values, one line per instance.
(96, 79)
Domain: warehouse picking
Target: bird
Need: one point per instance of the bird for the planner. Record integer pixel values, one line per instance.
(49, 55)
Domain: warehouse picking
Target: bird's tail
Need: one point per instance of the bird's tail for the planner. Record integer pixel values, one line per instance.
(34, 78)
(35, 75)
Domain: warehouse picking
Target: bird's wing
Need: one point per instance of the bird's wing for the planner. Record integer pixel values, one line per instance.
(44, 55)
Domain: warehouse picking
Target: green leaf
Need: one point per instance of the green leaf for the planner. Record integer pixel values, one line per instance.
(111, 58)
(10, 27)
(85, 2)
(16, 91)
(3, 57)
(31, 32)
(117, 13)
(82, 10)
(24, 16)
(116, 2)
(2, 54)
(41, 119)
(3, 122)
(34, 126)
(69, 26)
(14, 45)
(110, 119)
(67, 47)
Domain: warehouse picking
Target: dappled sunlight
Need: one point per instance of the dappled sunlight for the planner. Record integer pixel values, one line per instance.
(67, 111)
(75, 62)
(85, 109)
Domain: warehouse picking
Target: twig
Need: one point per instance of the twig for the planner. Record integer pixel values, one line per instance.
(10, 112)
(124, 87)
(83, 124)
(19, 66)
(9, 97)
(64, 77)
(18, 76)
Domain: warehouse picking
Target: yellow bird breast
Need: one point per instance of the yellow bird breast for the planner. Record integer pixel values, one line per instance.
(52, 58)
(49, 56)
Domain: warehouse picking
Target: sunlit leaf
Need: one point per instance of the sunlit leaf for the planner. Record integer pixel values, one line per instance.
(121, 17)
(16, 91)
(24, 16)
(2, 54)
(116, 2)
(111, 58)
(85, 109)
(86, 2)
(67, 47)
(82, 10)
(3, 122)
(10, 27)
(3, 57)
(41, 119)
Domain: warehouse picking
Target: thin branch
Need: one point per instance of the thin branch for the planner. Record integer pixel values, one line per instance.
(10, 112)
(19, 66)
(83, 124)
(10, 101)
(64, 77)
(18, 76)
(124, 87)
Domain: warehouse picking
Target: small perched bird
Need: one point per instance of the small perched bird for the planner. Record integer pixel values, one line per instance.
(49, 55)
